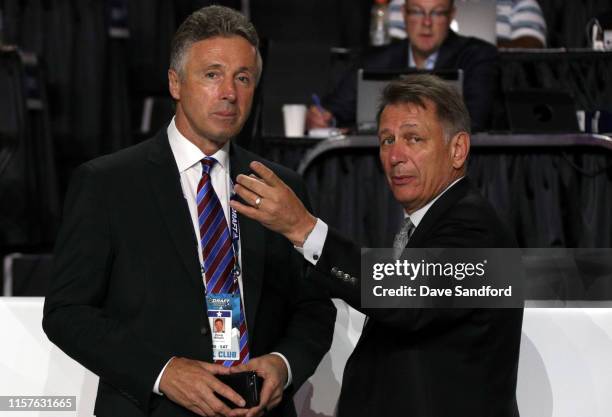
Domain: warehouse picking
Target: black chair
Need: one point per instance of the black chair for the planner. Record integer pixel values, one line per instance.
(27, 275)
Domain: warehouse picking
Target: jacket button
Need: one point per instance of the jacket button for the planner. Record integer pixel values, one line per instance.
(204, 330)
(339, 273)
(346, 277)
(334, 270)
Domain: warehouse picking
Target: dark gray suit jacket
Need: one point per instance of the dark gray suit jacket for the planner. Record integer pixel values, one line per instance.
(430, 362)
(127, 292)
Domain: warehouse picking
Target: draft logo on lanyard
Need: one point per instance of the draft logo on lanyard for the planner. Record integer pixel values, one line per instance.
(223, 309)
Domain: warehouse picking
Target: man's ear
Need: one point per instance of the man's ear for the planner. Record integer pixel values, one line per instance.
(174, 84)
(460, 148)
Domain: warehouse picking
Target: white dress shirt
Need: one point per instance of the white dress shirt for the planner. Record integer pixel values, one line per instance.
(188, 159)
(430, 61)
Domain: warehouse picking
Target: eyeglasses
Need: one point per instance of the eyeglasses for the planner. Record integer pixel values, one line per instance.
(420, 14)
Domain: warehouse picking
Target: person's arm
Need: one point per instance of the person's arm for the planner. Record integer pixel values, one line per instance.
(308, 327)
(521, 26)
(338, 267)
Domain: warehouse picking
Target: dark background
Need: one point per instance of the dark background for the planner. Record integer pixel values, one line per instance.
(76, 77)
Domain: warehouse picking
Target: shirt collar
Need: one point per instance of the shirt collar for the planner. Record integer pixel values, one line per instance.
(430, 62)
(418, 215)
(187, 154)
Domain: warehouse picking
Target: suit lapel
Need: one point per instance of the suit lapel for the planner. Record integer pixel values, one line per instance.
(401, 56)
(446, 50)
(252, 244)
(166, 188)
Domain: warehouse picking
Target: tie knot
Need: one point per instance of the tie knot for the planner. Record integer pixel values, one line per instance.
(407, 224)
(207, 164)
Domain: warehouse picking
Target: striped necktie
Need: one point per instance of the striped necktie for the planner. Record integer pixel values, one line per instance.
(403, 236)
(218, 251)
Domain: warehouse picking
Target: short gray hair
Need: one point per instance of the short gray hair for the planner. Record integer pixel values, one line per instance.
(415, 88)
(209, 22)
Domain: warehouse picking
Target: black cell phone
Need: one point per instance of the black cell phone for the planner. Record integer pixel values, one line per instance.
(246, 384)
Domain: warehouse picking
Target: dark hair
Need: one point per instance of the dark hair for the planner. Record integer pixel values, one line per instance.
(415, 88)
(209, 22)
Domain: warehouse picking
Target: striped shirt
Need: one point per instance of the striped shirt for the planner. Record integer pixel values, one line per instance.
(518, 18)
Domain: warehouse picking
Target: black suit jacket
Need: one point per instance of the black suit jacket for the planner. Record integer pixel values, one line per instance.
(477, 59)
(127, 292)
(430, 362)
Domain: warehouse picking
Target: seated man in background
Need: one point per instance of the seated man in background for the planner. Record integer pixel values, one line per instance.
(431, 45)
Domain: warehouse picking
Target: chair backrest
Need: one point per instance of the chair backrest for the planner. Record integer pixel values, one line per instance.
(27, 275)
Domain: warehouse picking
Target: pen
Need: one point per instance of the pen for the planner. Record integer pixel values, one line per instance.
(317, 102)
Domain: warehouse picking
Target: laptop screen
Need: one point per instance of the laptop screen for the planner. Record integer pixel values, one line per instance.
(371, 83)
(477, 18)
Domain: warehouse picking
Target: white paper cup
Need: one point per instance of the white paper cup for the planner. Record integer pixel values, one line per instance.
(294, 116)
(581, 116)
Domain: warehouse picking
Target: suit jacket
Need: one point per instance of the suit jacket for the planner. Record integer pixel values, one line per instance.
(430, 362)
(477, 59)
(127, 292)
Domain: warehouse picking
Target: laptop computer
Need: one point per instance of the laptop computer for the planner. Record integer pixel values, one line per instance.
(541, 111)
(476, 18)
(371, 83)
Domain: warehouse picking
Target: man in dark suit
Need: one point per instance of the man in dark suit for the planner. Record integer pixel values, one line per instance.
(135, 261)
(430, 45)
(414, 362)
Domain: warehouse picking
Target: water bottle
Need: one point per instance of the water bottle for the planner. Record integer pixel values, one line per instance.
(379, 24)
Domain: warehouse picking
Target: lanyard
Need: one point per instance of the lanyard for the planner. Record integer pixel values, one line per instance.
(235, 231)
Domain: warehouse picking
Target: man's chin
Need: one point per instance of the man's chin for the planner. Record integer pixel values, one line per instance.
(222, 136)
(402, 195)
(426, 49)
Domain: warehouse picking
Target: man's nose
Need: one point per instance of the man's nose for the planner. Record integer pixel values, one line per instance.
(228, 90)
(396, 154)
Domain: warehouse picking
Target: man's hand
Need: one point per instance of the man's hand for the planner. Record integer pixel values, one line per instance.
(192, 384)
(279, 209)
(274, 373)
(318, 117)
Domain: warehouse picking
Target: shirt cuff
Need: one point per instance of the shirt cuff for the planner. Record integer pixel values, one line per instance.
(289, 376)
(313, 246)
(158, 380)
